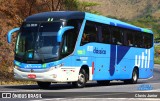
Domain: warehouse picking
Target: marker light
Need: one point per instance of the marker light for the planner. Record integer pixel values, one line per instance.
(16, 67)
(56, 67)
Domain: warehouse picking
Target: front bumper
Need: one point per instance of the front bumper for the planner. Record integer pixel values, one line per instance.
(56, 75)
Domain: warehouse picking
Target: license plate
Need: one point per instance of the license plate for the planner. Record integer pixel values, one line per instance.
(31, 76)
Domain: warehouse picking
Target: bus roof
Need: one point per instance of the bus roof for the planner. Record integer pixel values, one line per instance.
(45, 16)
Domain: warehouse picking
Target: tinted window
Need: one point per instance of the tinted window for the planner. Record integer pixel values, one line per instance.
(147, 40)
(105, 34)
(68, 43)
(90, 33)
(50, 27)
(70, 37)
(138, 40)
(129, 38)
(116, 36)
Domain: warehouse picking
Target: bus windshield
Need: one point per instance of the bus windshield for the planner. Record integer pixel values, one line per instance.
(38, 41)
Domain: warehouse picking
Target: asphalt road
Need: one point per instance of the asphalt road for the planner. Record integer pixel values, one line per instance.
(146, 89)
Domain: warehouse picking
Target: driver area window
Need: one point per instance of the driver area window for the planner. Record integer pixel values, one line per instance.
(68, 43)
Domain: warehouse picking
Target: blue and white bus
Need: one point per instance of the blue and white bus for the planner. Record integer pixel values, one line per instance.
(75, 47)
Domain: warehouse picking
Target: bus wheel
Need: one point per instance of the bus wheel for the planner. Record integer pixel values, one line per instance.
(44, 85)
(103, 82)
(82, 79)
(134, 78)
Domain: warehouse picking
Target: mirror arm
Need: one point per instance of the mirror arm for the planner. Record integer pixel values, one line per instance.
(61, 32)
(9, 35)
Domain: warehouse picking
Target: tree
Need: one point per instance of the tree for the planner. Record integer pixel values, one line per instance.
(80, 5)
(53, 5)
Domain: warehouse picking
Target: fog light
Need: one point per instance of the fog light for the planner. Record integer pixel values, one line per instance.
(54, 75)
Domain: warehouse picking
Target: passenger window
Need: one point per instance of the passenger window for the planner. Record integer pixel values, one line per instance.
(90, 33)
(105, 34)
(147, 40)
(129, 41)
(138, 40)
(116, 36)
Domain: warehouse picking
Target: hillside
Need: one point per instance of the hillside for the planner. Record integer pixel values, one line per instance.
(127, 9)
(143, 13)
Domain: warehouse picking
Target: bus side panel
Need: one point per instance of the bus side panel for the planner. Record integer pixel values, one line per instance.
(124, 69)
(101, 59)
(101, 70)
(146, 64)
(122, 65)
(141, 58)
(113, 62)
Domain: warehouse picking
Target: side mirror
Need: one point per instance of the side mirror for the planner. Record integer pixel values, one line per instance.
(61, 32)
(9, 35)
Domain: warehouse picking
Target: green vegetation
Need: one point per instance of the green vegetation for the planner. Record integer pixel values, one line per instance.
(148, 22)
(152, 23)
(81, 6)
(157, 55)
(157, 60)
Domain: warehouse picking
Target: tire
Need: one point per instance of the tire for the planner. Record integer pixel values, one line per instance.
(103, 82)
(44, 85)
(134, 78)
(82, 79)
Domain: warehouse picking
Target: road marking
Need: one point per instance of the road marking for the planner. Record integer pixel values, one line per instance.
(75, 90)
(158, 90)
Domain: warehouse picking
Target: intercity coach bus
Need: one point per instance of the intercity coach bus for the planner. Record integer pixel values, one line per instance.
(76, 47)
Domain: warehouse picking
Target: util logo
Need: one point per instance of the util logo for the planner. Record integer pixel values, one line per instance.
(143, 60)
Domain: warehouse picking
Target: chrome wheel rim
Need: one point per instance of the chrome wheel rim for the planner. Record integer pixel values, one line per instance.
(135, 77)
(81, 78)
